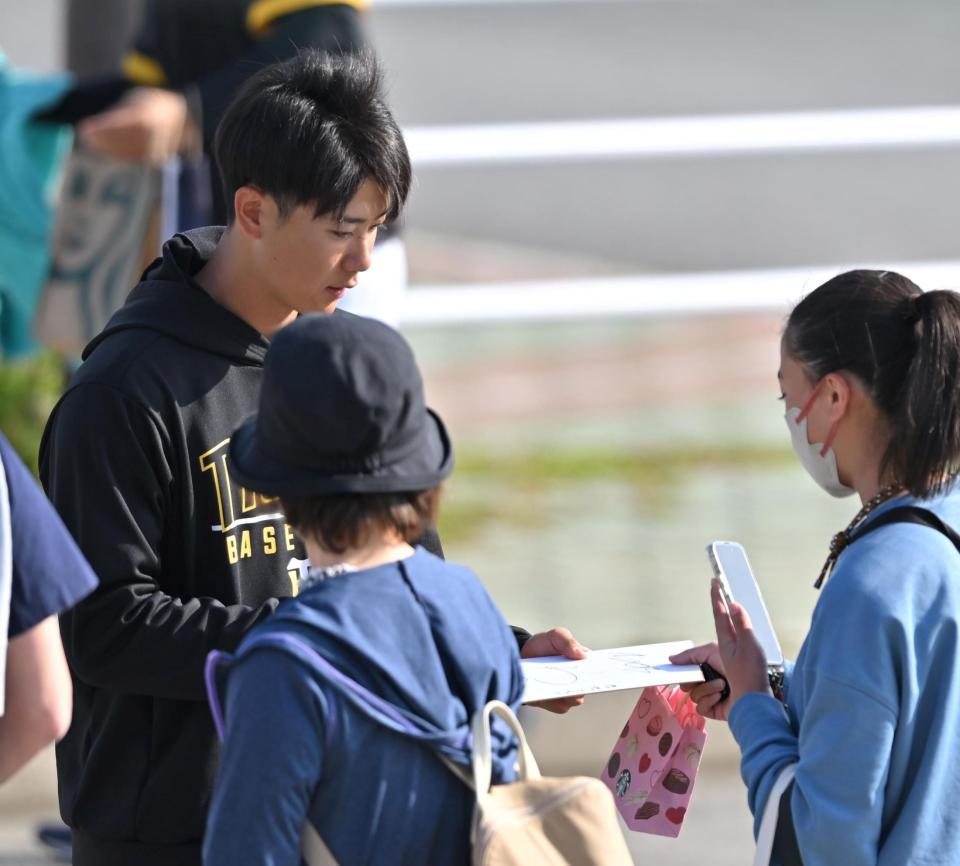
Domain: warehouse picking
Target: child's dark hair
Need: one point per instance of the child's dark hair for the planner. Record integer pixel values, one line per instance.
(904, 346)
(348, 520)
(310, 131)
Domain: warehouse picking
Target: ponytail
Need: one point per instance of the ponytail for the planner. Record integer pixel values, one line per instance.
(924, 450)
(904, 347)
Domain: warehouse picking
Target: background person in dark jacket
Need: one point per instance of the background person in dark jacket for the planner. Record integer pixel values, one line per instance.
(188, 60)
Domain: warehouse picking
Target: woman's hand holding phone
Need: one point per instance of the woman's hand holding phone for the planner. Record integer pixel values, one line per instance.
(744, 661)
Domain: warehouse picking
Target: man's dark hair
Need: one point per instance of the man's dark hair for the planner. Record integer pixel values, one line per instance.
(348, 520)
(310, 131)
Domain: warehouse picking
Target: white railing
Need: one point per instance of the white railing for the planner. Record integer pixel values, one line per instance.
(646, 295)
(698, 136)
(439, 147)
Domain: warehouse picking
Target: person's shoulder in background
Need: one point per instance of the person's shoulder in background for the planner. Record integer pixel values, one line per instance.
(50, 574)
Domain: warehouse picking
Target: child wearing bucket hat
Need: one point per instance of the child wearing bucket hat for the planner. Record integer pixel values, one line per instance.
(344, 439)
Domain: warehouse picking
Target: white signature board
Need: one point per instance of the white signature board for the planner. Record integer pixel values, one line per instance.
(607, 670)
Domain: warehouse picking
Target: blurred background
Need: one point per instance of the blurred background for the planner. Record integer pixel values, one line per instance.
(597, 305)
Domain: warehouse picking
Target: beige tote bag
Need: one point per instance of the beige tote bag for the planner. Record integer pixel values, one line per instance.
(549, 821)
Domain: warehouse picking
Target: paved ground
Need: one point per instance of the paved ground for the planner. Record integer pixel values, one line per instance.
(24, 802)
(462, 64)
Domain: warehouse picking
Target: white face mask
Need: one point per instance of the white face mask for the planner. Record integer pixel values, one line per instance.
(821, 467)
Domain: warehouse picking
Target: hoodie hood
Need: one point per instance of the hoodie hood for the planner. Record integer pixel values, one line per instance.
(169, 301)
(422, 635)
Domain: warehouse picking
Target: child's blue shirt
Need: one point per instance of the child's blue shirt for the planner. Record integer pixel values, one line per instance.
(425, 636)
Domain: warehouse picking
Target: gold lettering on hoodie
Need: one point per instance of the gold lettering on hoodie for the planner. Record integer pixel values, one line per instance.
(240, 509)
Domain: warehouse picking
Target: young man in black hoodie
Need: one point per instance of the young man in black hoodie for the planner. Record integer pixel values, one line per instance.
(134, 455)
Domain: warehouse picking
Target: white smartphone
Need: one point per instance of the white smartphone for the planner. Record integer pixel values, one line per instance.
(732, 569)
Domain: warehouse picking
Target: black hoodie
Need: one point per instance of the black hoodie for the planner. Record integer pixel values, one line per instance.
(134, 458)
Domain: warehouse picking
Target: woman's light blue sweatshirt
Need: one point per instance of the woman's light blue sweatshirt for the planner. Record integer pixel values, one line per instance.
(873, 705)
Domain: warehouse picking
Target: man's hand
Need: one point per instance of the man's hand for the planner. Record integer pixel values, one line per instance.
(147, 126)
(737, 655)
(555, 642)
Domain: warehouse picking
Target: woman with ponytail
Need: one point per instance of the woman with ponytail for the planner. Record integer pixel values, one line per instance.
(870, 712)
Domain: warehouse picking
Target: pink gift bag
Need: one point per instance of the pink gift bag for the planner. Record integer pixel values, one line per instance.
(654, 764)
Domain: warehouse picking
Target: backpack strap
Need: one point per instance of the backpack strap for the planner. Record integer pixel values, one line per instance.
(372, 705)
(776, 839)
(909, 514)
(483, 750)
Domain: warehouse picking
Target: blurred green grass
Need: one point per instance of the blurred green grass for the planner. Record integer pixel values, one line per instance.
(490, 486)
(28, 391)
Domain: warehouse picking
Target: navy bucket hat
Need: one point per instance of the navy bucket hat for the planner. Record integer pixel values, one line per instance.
(341, 411)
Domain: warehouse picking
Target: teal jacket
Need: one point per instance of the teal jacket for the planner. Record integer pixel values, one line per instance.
(31, 157)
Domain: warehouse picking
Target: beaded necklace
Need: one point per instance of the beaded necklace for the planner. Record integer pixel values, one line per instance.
(842, 538)
(319, 574)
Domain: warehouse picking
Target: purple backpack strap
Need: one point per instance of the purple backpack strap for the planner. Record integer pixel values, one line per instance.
(372, 705)
(214, 660)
